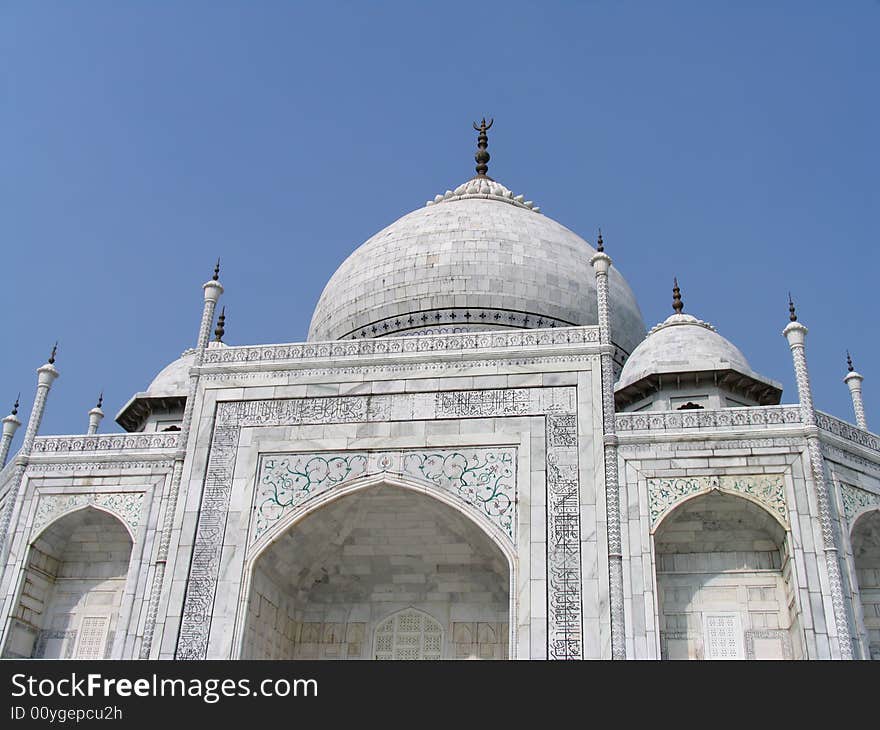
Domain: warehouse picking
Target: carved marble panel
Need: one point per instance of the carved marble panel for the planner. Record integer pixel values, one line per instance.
(565, 629)
(847, 431)
(105, 442)
(454, 342)
(723, 418)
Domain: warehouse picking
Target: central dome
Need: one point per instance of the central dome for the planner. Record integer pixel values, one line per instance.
(477, 258)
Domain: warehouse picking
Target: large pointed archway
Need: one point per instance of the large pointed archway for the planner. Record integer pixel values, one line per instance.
(724, 582)
(382, 572)
(72, 588)
(866, 556)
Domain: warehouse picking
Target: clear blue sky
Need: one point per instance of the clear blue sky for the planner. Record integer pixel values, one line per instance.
(733, 144)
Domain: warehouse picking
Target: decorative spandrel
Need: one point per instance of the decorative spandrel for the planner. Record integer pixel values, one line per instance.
(484, 480)
(768, 490)
(125, 505)
(856, 500)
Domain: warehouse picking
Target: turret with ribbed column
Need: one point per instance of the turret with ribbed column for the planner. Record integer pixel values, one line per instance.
(10, 426)
(601, 263)
(45, 377)
(212, 291)
(796, 334)
(854, 380)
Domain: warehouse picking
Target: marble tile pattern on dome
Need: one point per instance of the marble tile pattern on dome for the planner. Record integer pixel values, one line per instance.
(479, 452)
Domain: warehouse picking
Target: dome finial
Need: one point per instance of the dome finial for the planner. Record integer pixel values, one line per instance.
(100, 400)
(54, 352)
(216, 275)
(482, 157)
(849, 365)
(15, 405)
(792, 315)
(221, 326)
(600, 244)
(677, 304)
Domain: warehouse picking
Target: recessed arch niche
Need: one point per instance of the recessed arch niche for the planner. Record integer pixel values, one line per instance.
(327, 586)
(72, 588)
(866, 556)
(724, 582)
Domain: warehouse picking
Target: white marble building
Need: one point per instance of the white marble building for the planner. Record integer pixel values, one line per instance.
(479, 452)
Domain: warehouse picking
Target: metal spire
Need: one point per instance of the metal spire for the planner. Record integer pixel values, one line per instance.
(849, 365)
(677, 304)
(54, 351)
(15, 405)
(216, 270)
(221, 326)
(100, 400)
(481, 156)
(792, 315)
(600, 244)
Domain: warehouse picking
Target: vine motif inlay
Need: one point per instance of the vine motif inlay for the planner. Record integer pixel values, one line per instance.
(125, 505)
(769, 490)
(855, 500)
(483, 479)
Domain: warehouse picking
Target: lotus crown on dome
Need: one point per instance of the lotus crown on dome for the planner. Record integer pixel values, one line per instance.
(485, 187)
(674, 319)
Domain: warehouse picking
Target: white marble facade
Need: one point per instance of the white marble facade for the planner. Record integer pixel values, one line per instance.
(447, 494)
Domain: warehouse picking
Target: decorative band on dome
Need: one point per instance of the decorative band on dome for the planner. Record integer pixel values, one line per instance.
(462, 317)
(483, 187)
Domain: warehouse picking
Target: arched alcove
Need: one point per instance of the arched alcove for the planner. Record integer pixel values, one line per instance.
(724, 582)
(866, 555)
(323, 588)
(72, 588)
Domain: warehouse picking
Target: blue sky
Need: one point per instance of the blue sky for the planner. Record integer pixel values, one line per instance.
(733, 144)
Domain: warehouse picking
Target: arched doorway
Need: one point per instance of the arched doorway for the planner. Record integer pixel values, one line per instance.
(866, 555)
(383, 572)
(724, 582)
(72, 588)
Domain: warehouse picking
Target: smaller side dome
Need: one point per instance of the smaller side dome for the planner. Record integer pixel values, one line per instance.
(173, 379)
(684, 363)
(160, 407)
